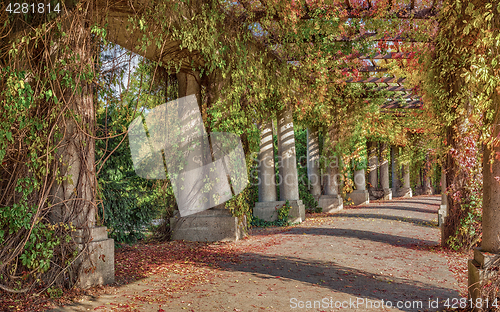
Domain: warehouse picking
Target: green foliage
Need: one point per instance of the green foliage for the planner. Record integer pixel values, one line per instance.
(308, 200)
(54, 292)
(39, 248)
(282, 219)
(22, 215)
(461, 79)
(301, 154)
(129, 202)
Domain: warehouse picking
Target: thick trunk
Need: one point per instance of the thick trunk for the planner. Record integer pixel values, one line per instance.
(491, 192)
(74, 197)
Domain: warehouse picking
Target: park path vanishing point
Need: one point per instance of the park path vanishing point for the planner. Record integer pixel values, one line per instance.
(348, 261)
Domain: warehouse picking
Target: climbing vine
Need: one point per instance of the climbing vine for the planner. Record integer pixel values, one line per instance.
(461, 85)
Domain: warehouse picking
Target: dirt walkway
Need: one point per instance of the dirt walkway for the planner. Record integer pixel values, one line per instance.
(366, 258)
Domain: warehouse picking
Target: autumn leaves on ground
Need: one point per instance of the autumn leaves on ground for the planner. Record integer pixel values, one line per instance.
(384, 250)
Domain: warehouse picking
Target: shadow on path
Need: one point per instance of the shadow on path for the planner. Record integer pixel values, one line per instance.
(415, 221)
(359, 283)
(402, 208)
(431, 201)
(394, 240)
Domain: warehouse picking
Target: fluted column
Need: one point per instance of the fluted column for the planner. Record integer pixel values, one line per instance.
(428, 190)
(384, 171)
(406, 189)
(332, 169)
(313, 173)
(267, 179)
(372, 165)
(331, 201)
(394, 169)
(289, 186)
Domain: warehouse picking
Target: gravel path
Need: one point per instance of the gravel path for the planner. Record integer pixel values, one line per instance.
(377, 257)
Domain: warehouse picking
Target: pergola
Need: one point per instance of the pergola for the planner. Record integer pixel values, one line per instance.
(115, 17)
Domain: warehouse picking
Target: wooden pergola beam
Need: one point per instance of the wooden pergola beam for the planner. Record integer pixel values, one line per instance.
(376, 80)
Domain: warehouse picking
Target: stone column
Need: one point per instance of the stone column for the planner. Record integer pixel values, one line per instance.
(331, 201)
(443, 208)
(289, 186)
(267, 176)
(372, 166)
(406, 189)
(427, 186)
(265, 208)
(491, 200)
(394, 169)
(313, 161)
(360, 195)
(384, 171)
(214, 224)
(73, 200)
(485, 256)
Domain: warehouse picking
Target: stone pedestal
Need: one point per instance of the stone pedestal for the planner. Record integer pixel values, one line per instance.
(360, 197)
(387, 194)
(405, 192)
(267, 211)
(442, 213)
(331, 203)
(211, 225)
(297, 212)
(479, 272)
(443, 208)
(97, 263)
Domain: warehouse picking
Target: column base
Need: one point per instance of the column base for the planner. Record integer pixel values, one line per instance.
(442, 212)
(97, 264)
(479, 273)
(297, 212)
(331, 203)
(387, 194)
(360, 197)
(211, 225)
(267, 211)
(441, 228)
(406, 192)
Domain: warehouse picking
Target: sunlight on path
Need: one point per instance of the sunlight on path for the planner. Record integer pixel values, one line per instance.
(365, 258)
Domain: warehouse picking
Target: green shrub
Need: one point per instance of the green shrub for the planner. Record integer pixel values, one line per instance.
(282, 220)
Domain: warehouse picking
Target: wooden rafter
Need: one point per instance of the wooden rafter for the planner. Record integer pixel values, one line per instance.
(376, 80)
